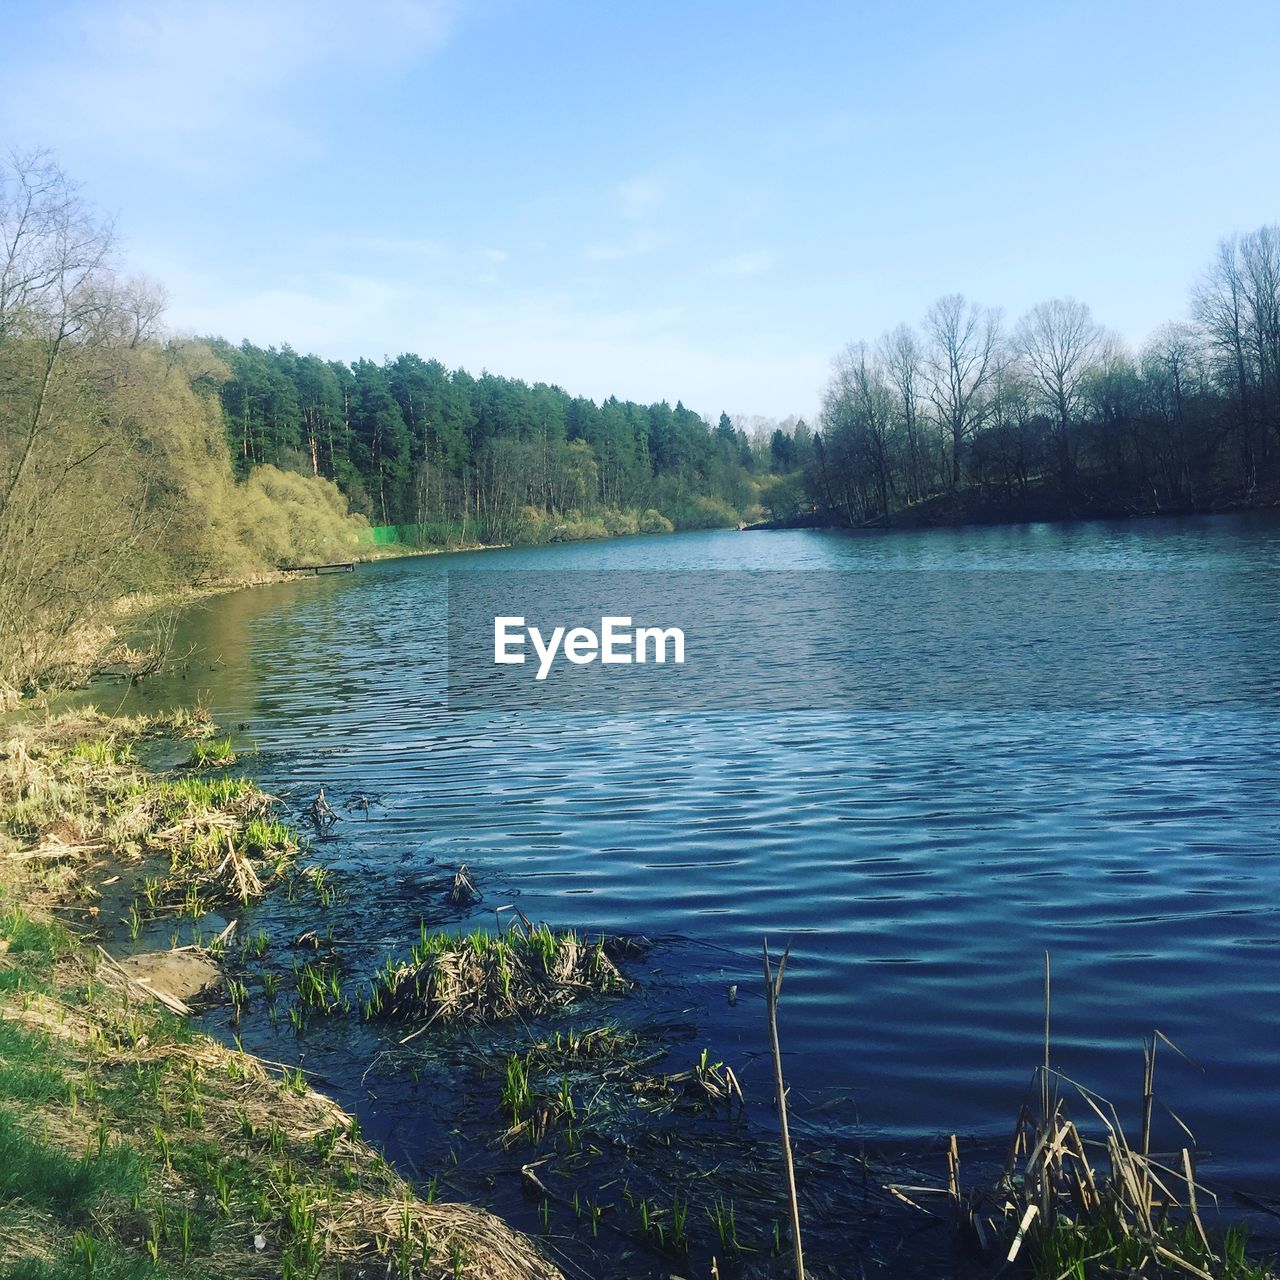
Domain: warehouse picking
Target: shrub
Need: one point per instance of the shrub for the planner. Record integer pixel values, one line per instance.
(653, 521)
(620, 523)
(706, 513)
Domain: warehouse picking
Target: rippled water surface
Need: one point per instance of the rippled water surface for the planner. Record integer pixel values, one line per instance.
(921, 860)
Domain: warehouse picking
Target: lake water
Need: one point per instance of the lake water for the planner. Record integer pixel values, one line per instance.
(920, 859)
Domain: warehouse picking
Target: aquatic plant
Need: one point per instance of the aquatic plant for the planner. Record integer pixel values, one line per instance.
(1079, 1208)
(483, 976)
(211, 754)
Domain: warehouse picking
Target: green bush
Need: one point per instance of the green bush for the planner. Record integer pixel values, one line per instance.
(706, 513)
(653, 521)
(285, 518)
(574, 528)
(620, 524)
(532, 527)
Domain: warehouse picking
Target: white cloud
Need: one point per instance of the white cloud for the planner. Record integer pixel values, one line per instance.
(194, 84)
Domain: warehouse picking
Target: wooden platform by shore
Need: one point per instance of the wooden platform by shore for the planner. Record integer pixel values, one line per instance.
(339, 566)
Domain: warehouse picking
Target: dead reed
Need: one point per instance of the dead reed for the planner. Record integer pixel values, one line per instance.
(72, 791)
(483, 976)
(1075, 1202)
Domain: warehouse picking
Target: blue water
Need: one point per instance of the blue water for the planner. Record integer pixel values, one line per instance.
(921, 861)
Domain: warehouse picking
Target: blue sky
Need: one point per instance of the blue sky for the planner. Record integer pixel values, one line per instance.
(702, 201)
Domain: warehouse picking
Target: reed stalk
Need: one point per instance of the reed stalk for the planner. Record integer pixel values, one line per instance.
(772, 989)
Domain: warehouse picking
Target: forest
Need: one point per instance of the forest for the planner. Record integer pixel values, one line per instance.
(449, 458)
(968, 418)
(135, 463)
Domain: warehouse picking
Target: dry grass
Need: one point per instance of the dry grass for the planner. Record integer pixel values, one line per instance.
(246, 1171)
(1085, 1206)
(72, 792)
(1085, 1201)
(251, 1147)
(483, 977)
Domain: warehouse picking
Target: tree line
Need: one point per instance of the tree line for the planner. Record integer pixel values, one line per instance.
(133, 461)
(116, 476)
(968, 417)
(458, 457)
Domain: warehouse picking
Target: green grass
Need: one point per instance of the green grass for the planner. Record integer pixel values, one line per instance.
(101, 751)
(27, 935)
(516, 1094)
(211, 754)
(86, 1256)
(27, 1070)
(50, 1181)
(261, 835)
(1070, 1251)
(184, 796)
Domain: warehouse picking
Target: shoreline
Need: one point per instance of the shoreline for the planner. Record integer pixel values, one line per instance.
(957, 511)
(235, 1164)
(95, 648)
(694, 1107)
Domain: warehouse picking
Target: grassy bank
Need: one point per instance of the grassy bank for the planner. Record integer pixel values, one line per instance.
(130, 1145)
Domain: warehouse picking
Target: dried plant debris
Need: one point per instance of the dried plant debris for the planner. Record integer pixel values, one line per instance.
(72, 791)
(1077, 1202)
(322, 813)
(484, 976)
(463, 891)
(142, 1148)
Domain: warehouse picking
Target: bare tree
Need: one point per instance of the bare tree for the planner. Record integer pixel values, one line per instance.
(1237, 304)
(55, 287)
(1260, 254)
(858, 418)
(1059, 341)
(903, 364)
(50, 246)
(961, 361)
(1174, 378)
(1008, 432)
(73, 500)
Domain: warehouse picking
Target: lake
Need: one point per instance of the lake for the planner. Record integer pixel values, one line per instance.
(920, 859)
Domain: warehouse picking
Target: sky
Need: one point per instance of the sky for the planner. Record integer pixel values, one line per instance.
(696, 201)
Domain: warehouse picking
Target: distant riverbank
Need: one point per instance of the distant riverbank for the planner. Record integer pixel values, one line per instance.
(1040, 503)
